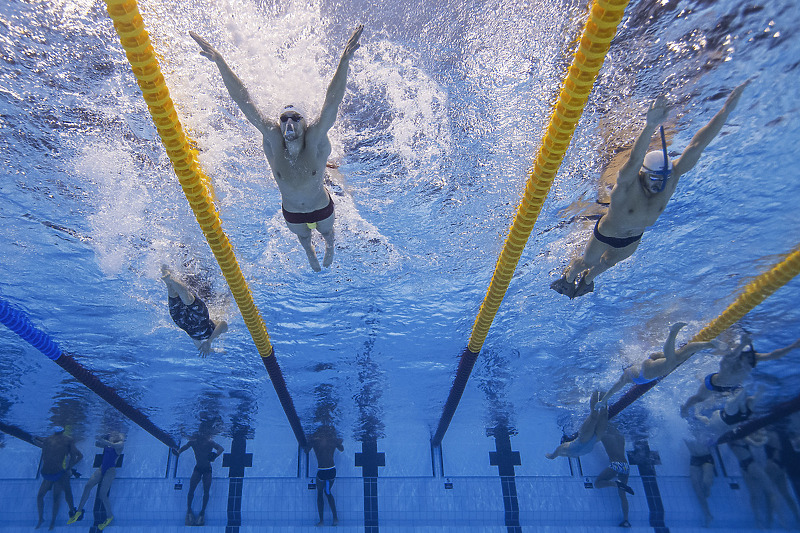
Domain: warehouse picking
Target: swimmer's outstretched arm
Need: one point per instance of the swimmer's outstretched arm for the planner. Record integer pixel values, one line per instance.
(236, 88)
(655, 115)
(335, 93)
(777, 354)
(702, 138)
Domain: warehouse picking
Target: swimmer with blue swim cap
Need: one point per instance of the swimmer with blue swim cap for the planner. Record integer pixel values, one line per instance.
(644, 185)
(297, 150)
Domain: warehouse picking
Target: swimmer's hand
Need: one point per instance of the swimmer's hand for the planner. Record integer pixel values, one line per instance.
(207, 50)
(352, 44)
(658, 111)
(733, 98)
(204, 349)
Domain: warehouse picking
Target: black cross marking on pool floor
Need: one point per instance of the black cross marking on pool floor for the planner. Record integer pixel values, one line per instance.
(505, 460)
(369, 459)
(236, 462)
(645, 459)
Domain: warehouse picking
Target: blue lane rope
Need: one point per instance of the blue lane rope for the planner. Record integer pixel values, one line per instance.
(17, 321)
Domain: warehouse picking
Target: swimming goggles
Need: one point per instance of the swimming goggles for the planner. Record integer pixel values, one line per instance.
(296, 118)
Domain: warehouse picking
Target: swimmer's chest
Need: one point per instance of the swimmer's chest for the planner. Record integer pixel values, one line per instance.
(297, 173)
(635, 205)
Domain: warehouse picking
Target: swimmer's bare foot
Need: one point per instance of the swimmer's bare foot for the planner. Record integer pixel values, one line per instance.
(39, 524)
(335, 522)
(313, 261)
(320, 523)
(677, 326)
(328, 259)
(594, 399)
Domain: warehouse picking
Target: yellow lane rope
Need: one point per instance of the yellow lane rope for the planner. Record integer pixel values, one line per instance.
(604, 17)
(756, 292)
(196, 185)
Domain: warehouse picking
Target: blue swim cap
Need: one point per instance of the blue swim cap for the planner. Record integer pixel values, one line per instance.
(58, 429)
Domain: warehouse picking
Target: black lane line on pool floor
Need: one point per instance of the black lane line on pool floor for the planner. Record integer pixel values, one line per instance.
(369, 459)
(236, 462)
(645, 460)
(505, 460)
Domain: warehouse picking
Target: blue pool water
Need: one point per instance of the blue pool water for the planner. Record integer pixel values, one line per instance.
(445, 108)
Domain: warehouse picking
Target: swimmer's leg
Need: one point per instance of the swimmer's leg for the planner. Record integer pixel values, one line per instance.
(304, 236)
(44, 488)
(669, 344)
(610, 257)
(176, 289)
(325, 227)
(591, 257)
(559, 451)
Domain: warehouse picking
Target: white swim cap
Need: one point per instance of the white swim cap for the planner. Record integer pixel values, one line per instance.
(295, 108)
(654, 162)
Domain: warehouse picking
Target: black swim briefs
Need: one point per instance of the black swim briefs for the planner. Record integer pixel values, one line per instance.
(202, 469)
(193, 319)
(614, 242)
(309, 218)
(700, 460)
(326, 474)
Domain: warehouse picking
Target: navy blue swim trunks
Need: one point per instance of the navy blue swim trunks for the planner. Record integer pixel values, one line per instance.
(193, 319)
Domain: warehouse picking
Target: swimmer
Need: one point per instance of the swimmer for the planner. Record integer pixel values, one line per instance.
(701, 473)
(659, 364)
(739, 408)
(325, 441)
(734, 367)
(644, 185)
(591, 431)
(773, 449)
(190, 314)
(758, 483)
(617, 472)
(297, 150)
(112, 445)
(59, 455)
(205, 452)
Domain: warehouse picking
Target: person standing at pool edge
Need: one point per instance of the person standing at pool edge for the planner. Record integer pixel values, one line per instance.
(325, 442)
(297, 151)
(644, 186)
(205, 452)
(102, 477)
(59, 455)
